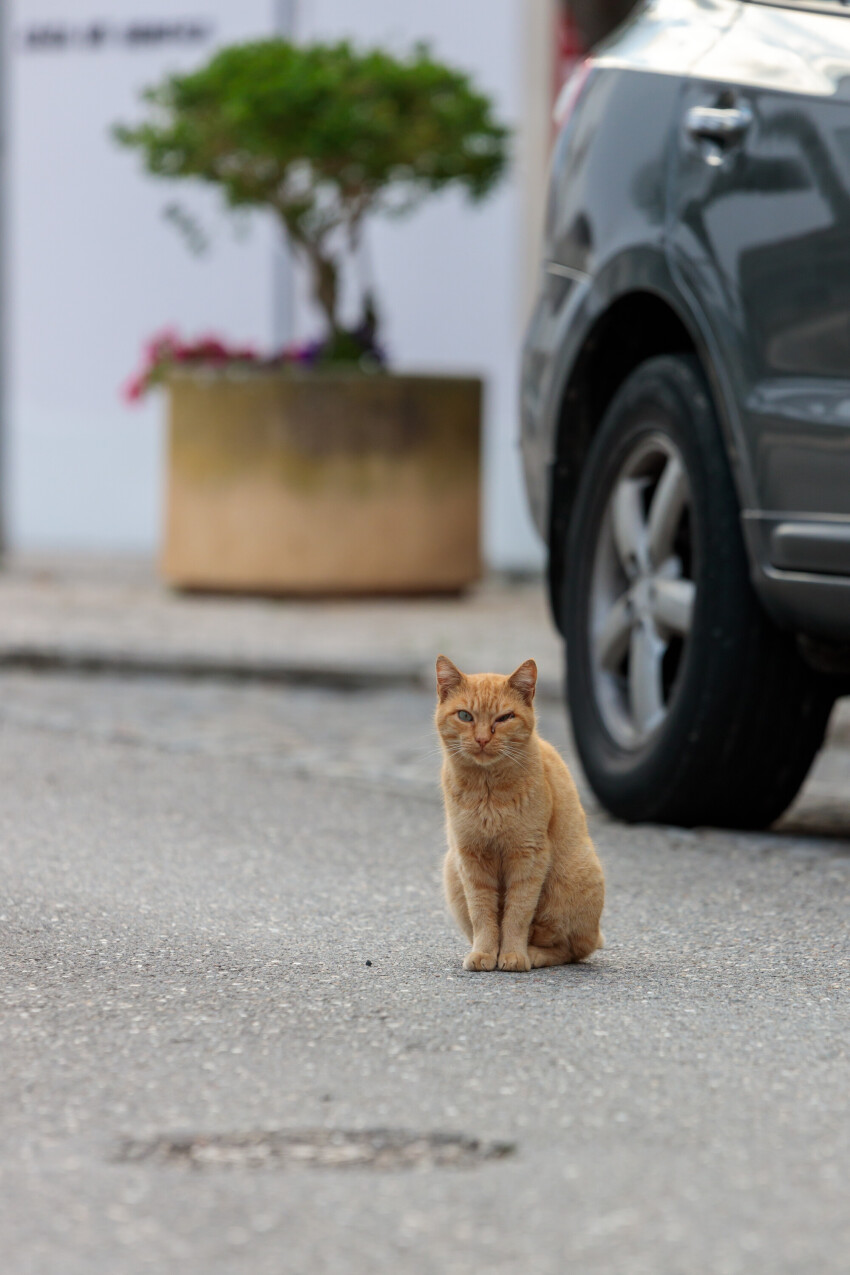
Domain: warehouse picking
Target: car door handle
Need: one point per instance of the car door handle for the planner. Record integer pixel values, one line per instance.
(723, 124)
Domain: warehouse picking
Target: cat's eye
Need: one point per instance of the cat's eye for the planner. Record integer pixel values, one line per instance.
(506, 717)
(464, 716)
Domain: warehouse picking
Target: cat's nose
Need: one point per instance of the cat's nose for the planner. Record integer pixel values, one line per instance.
(482, 742)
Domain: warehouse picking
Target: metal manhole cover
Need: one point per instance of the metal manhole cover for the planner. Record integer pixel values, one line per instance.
(317, 1148)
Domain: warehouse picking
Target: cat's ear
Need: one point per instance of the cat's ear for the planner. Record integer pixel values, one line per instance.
(524, 679)
(449, 677)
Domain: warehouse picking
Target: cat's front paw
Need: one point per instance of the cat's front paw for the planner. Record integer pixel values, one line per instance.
(516, 961)
(476, 960)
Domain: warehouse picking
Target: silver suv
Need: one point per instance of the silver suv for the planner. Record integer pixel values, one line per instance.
(686, 403)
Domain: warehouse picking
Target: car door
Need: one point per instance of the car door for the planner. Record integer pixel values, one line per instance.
(759, 236)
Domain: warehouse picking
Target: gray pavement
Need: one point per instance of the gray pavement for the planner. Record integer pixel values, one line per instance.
(194, 877)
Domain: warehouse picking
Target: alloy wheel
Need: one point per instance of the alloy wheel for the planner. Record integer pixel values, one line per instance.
(642, 591)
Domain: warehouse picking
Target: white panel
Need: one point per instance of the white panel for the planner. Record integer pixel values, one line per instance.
(94, 269)
(449, 278)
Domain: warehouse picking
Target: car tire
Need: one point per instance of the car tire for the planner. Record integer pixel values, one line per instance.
(688, 705)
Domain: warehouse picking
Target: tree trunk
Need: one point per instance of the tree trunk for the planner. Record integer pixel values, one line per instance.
(324, 276)
(325, 288)
(341, 343)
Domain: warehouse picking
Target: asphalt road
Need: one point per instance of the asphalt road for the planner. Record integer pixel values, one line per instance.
(194, 881)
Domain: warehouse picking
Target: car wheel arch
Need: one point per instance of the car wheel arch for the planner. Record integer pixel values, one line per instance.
(638, 324)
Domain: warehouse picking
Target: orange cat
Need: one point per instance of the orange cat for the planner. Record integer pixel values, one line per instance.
(521, 876)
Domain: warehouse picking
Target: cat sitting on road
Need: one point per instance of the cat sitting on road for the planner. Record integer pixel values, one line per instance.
(521, 875)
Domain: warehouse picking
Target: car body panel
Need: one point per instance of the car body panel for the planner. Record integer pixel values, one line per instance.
(763, 289)
(667, 37)
(605, 226)
(604, 236)
(775, 281)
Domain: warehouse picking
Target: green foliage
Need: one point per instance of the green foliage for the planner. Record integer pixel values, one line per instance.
(323, 135)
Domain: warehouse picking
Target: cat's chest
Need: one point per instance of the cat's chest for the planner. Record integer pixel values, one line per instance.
(487, 824)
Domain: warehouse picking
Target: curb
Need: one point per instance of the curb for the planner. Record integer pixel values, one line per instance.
(94, 661)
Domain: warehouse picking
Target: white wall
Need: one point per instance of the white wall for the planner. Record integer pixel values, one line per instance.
(93, 270)
(451, 278)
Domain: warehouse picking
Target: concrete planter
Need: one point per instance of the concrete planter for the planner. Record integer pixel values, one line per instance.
(322, 482)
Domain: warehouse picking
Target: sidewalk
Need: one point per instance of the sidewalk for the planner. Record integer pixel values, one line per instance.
(113, 614)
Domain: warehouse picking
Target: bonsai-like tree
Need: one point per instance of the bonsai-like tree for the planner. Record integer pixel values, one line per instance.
(324, 135)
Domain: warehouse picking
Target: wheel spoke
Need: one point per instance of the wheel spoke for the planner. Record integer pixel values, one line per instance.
(665, 511)
(673, 604)
(646, 694)
(612, 641)
(630, 533)
(635, 620)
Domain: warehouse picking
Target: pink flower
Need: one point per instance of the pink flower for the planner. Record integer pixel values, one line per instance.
(166, 348)
(161, 343)
(133, 389)
(212, 348)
